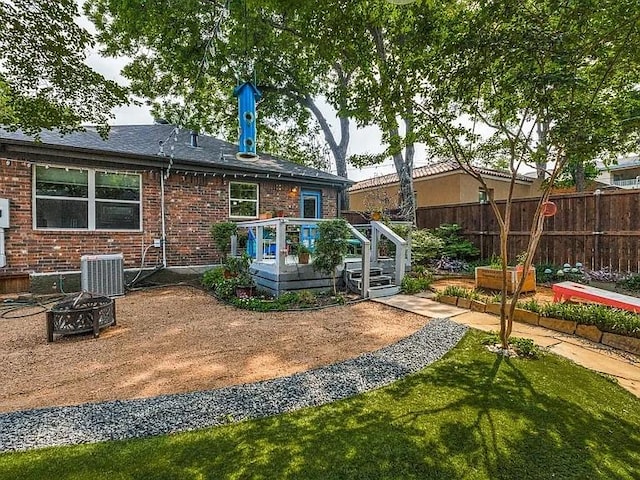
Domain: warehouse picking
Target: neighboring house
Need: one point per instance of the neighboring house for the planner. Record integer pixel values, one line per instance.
(624, 174)
(77, 194)
(442, 183)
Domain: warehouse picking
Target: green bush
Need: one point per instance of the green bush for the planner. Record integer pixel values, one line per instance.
(607, 319)
(525, 347)
(461, 292)
(454, 245)
(424, 246)
(532, 305)
(331, 247)
(416, 283)
(211, 277)
(632, 283)
(222, 233)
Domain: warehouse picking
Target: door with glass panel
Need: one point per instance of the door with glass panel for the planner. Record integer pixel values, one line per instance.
(310, 207)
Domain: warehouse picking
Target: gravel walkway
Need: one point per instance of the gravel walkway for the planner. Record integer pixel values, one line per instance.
(167, 414)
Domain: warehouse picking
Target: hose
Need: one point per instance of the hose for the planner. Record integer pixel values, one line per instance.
(17, 305)
(144, 254)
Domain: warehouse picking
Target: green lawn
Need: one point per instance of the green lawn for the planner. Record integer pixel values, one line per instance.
(471, 415)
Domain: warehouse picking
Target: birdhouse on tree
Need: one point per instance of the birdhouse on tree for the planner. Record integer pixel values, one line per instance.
(248, 94)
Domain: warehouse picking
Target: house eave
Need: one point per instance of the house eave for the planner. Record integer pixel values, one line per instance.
(518, 181)
(76, 155)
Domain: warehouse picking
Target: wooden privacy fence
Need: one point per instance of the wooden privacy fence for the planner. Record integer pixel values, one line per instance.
(597, 229)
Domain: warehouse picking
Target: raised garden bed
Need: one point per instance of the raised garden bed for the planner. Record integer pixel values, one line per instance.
(490, 278)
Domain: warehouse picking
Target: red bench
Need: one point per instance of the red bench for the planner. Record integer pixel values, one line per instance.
(564, 291)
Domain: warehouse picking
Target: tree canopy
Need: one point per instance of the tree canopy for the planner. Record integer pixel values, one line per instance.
(44, 82)
(358, 55)
(512, 66)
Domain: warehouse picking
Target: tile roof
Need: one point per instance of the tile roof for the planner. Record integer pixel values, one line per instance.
(143, 142)
(444, 166)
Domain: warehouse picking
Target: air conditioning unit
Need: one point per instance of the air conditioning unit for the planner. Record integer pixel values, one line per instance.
(102, 274)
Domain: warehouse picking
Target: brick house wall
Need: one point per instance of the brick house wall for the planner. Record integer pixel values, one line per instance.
(192, 204)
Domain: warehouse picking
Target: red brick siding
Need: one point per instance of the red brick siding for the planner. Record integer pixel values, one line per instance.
(192, 204)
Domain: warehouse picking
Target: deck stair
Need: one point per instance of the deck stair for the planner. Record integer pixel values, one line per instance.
(380, 284)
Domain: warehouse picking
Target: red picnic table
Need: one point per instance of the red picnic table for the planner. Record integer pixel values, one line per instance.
(563, 291)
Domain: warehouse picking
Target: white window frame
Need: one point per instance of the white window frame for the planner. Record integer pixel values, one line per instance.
(91, 200)
(257, 200)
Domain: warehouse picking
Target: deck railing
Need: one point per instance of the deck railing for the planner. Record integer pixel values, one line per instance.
(402, 248)
(280, 225)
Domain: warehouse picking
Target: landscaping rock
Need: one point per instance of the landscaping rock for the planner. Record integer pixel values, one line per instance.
(477, 306)
(464, 302)
(629, 344)
(448, 300)
(590, 332)
(526, 316)
(564, 326)
(494, 308)
(167, 414)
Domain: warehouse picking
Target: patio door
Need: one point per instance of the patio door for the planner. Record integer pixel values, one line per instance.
(310, 207)
(310, 204)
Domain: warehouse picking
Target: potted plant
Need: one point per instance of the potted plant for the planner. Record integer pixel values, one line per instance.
(331, 248)
(246, 286)
(303, 253)
(222, 233)
(238, 269)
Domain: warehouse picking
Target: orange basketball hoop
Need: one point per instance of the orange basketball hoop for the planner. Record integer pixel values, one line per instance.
(549, 209)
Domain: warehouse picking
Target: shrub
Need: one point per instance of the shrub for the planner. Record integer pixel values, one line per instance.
(453, 245)
(222, 233)
(424, 246)
(607, 319)
(415, 284)
(455, 291)
(632, 283)
(525, 347)
(532, 305)
(331, 247)
(418, 280)
(211, 277)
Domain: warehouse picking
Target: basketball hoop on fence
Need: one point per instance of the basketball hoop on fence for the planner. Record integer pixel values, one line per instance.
(549, 209)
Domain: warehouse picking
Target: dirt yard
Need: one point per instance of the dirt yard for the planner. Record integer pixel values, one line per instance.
(179, 339)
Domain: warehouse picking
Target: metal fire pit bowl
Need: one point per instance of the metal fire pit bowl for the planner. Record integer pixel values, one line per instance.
(80, 315)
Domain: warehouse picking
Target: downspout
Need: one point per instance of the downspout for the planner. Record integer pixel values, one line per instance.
(164, 234)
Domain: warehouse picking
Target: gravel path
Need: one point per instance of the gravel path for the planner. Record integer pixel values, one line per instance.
(117, 420)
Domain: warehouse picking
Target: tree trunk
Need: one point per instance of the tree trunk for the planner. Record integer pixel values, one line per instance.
(579, 177)
(542, 129)
(338, 150)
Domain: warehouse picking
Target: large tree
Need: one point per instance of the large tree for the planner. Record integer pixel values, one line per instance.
(187, 56)
(514, 65)
(357, 55)
(44, 82)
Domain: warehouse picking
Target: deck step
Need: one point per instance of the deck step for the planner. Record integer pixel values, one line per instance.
(374, 281)
(357, 272)
(384, 291)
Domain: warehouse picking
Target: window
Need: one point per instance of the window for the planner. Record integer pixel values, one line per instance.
(86, 199)
(243, 200)
(483, 195)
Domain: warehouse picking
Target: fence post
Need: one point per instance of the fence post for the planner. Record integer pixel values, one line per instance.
(596, 230)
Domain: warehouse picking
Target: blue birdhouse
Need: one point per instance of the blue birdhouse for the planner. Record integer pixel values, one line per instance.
(248, 94)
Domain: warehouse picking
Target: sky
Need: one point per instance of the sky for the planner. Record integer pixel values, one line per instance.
(366, 140)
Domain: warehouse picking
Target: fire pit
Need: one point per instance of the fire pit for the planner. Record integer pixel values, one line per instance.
(81, 314)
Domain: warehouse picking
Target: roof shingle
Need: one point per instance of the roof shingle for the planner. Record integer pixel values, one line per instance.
(148, 141)
(443, 166)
